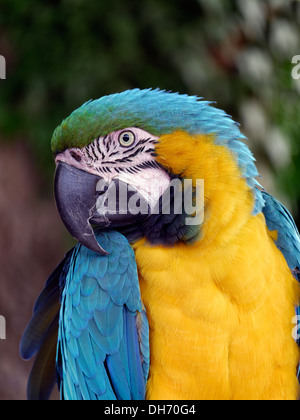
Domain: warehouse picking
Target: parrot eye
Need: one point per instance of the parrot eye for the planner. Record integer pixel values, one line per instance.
(126, 138)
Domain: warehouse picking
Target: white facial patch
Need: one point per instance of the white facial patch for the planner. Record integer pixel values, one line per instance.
(127, 155)
(150, 185)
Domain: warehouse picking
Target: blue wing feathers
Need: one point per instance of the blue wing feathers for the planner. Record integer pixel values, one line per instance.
(98, 328)
(278, 218)
(118, 376)
(144, 344)
(88, 285)
(135, 369)
(84, 321)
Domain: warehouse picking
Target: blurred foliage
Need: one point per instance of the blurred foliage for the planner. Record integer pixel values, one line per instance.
(236, 52)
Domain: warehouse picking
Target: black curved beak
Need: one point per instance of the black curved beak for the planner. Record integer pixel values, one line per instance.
(84, 199)
(75, 195)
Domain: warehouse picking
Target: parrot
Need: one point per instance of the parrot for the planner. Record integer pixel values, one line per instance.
(158, 299)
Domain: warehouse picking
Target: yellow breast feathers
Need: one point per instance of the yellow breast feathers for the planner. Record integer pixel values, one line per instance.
(220, 310)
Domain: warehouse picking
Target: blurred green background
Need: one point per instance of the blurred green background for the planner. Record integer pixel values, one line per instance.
(61, 53)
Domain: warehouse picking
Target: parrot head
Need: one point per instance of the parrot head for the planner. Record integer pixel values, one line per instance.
(113, 171)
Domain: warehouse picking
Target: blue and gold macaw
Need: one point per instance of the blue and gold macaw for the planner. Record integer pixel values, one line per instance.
(148, 304)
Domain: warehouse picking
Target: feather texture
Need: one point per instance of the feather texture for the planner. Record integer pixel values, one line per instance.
(98, 344)
(99, 352)
(220, 310)
(280, 220)
(220, 300)
(40, 336)
(159, 113)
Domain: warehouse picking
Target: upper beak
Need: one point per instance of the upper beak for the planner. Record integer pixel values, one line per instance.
(82, 199)
(75, 195)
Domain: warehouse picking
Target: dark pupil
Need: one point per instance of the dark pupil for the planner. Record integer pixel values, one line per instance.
(126, 138)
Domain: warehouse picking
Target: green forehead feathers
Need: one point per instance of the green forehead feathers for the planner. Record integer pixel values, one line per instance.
(155, 111)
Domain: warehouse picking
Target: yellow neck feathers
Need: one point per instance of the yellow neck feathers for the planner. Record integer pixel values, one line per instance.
(220, 310)
(228, 199)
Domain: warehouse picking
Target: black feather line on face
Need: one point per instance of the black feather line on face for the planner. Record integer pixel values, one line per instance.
(113, 154)
(88, 153)
(99, 149)
(143, 141)
(93, 151)
(131, 170)
(135, 153)
(108, 143)
(139, 143)
(124, 160)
